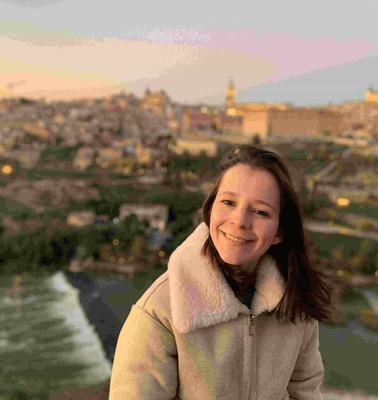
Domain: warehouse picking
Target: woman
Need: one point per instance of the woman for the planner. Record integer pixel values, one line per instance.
(236, 314)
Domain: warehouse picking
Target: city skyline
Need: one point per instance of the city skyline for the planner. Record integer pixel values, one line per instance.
(65, 50)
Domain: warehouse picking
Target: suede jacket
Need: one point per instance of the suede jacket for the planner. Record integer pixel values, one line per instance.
(188, 337)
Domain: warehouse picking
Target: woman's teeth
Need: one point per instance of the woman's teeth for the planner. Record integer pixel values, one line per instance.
(234, 239)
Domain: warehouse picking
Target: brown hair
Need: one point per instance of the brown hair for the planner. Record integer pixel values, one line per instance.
(307, 295)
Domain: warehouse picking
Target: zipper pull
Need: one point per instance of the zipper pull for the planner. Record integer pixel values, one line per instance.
(251, 324)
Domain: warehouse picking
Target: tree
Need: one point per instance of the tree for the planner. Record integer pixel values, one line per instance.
(256, 140)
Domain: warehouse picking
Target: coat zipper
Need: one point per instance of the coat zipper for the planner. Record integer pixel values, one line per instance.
(252, 378)
(252, 325)
(249, 373)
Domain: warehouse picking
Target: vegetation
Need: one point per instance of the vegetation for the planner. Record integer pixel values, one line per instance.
(122, 302)
(60, 153)
(348, 356)
(197, 164)
(16, 210)
(353, 301)
(36, 174)
(357, 254)
(34, 252)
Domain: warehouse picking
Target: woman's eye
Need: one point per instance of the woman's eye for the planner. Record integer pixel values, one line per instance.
(262, 213)
(257, 212)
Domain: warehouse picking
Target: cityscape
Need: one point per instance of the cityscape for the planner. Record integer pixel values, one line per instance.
(96, 193)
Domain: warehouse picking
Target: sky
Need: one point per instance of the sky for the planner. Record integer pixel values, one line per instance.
(300, 51)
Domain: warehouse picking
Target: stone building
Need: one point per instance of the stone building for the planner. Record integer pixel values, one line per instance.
(227, 124)
(242, 109)
(303, 122)
(155, 214)
(371, 95)
(281, 118)
(154, 101)
(195, 146)
(197, 121)
(256, 122)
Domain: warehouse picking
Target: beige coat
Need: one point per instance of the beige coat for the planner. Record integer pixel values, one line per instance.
(190, 338)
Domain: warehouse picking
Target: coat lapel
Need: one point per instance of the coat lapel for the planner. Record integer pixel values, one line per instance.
(200, 295)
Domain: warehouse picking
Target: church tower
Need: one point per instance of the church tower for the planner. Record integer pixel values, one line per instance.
(371, 95)
(230, 95)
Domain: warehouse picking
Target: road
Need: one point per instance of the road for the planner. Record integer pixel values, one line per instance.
(99, 314)
(324, 227)
(372, 298)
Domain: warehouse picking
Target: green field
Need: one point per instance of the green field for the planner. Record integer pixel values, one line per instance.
(61, 153)
(15, 209)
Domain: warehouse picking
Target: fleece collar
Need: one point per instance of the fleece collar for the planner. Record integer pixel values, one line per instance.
(200, 295)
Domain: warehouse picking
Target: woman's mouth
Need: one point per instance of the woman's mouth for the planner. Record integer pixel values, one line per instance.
(235, 239)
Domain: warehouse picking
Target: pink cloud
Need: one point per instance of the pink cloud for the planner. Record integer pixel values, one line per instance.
(291, 55)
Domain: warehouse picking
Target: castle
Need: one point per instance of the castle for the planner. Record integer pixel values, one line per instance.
(371, 96)
(281, 118)
(233, 108)
(154, 101)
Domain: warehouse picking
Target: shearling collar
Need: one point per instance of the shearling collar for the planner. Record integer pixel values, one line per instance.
(200, 295)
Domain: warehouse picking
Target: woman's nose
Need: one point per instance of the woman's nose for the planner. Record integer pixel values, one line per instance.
(241, 218)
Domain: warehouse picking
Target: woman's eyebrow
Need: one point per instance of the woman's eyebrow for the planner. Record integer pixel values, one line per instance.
(256, 201)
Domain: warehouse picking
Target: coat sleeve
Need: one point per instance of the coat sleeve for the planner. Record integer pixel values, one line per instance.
(308, 372)
(145, 360)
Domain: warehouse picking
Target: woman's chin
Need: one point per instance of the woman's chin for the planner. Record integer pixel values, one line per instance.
(239, 260)
(233, 261)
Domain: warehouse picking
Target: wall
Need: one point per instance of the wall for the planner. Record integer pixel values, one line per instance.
(371, 96)
(194, 147)
(255, 122)
(304, 122)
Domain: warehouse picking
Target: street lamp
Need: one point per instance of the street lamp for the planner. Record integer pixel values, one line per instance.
(6, 169)
(343, 202)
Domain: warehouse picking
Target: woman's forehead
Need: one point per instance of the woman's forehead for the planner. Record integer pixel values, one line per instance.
(242, 180)
(242, 173)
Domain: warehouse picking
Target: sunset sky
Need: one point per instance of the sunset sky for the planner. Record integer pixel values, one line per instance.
(80, 48)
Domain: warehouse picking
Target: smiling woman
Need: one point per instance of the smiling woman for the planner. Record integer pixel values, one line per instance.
(236, 314)
(245, 215)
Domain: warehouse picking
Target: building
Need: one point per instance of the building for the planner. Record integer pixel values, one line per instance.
(155, 102)
(371, 95)
(228, 124)
(197, 121)
(195, 146)
(155, 214)
(241, 109)
(80, 219)
(256, 122)
(264, 119)
(303, 122)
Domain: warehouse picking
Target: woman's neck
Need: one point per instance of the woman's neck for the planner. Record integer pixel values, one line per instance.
(243, 274)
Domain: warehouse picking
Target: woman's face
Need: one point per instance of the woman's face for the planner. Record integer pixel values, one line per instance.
(245, 215)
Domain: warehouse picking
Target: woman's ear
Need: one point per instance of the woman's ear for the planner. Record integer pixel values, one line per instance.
(279, 237)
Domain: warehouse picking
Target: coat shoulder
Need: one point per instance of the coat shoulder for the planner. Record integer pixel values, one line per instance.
(156, 301)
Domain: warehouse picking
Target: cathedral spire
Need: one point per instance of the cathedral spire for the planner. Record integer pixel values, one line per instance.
(230, 94)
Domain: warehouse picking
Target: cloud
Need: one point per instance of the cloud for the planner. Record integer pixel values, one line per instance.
(32, 3)
(32, 33)
(209, 75)
(52, 82)
(186, 72)
(189, 63)
(292, 55)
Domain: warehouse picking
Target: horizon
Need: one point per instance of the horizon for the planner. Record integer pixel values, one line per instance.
(59, 54)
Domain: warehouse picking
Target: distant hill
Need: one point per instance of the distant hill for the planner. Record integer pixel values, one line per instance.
(346, 82)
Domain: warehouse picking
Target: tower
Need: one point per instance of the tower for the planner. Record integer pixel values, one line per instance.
(230, 95)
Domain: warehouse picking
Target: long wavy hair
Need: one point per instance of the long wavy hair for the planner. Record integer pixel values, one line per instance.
(307, 294)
